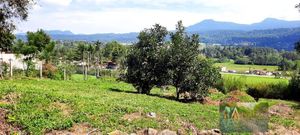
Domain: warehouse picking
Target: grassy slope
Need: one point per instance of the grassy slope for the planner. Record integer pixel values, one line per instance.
(44, 105)
(243, 68)
(47, 104)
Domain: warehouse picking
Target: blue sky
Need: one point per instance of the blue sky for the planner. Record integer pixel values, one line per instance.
(122, 16)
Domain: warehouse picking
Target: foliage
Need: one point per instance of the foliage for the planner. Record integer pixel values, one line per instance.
(114, 51)
(295, 86)
(280, 39)
(272, 91)
(232, 83)
(11, 11)
(203, 76)
(243, 60)
(249, 54)
(144, 61)
(286, 65)
(38, 45)
(49, 71)
(183, 55)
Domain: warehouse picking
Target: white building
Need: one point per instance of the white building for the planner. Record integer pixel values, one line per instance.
(17, 62)
(223, 69)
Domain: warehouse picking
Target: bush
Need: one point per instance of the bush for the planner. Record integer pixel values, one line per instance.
(294, 87)
(229, 84)
(243, 60)
(49, 71)
(274, 91)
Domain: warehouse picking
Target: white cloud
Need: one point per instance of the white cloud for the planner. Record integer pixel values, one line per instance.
(107, 16)
(57, 2)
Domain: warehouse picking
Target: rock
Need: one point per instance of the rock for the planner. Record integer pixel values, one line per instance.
(152, 131)
(210, 132)
(117, 132)
(167, 132)
(216, 131)
(149, 131)
(151, 115)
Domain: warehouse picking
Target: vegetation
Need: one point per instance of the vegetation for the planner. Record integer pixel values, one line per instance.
(42, 105)
(245, 55)
(11, 11)
(153, 62)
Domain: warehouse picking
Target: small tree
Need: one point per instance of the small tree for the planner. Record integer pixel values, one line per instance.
(144, 59)
(202, 76)
(33, 48)
(183, 53)
(114, 51)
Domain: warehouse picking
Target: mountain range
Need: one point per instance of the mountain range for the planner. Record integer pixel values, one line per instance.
(269, 23)
(275, 33)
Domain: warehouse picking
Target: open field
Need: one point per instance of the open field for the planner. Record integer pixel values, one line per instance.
(255, 80)
(41, 106)
(242, 68)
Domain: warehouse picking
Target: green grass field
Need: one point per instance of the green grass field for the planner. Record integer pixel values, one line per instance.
(40, 106)
(43, 105)
(243, 68)
(255, 80)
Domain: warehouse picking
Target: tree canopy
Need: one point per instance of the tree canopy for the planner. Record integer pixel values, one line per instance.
(10, 12)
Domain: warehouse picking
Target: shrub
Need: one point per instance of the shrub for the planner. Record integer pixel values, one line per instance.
(229, 84)
(294, 87)
(274, 91)
(49, 71)
(243, 60)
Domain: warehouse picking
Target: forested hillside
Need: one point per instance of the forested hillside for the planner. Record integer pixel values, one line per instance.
(283, 38)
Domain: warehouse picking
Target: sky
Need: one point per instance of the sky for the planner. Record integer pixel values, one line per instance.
(123, 16)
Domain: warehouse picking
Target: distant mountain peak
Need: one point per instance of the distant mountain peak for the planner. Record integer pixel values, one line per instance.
(268, 23)
(271, 19)
(59, 32)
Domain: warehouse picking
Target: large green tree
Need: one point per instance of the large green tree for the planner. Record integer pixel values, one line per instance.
(143, 62)
(183, 54)
(10, 12)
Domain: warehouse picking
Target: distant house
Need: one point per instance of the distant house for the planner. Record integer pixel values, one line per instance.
(223, 69)
(111, 65)
(259, 72)
(269, 73)
(231, 71)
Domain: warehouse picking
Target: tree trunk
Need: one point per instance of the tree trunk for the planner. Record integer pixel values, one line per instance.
(177, 93)
(88, 64)
(1, 70)
(83, 70)
(11, 68)
(41, 70)
(65, 76)
(85, 74)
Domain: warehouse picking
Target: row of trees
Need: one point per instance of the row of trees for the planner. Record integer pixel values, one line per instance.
(154, 61)
(63, 57)
(287, 60)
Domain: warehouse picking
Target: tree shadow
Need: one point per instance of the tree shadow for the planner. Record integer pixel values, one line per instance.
(173, 98)
(122, 91)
